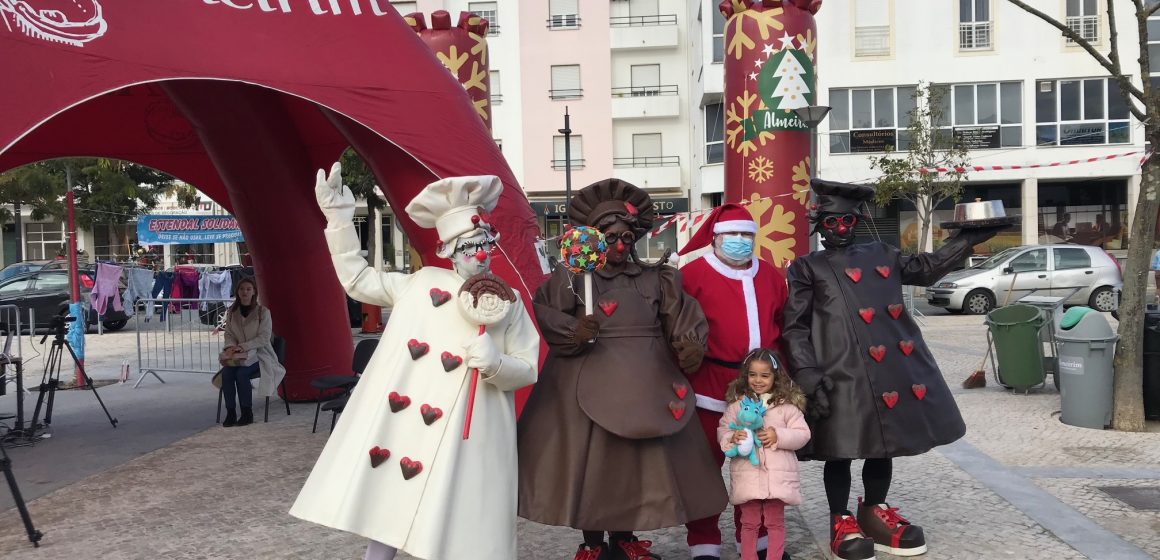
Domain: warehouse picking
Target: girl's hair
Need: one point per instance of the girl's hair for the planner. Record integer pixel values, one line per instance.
(784, 390)
(237, 302)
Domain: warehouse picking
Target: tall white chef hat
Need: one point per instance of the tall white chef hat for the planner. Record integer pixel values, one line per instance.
(456, 206)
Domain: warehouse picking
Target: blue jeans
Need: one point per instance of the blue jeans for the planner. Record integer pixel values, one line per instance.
(237, 379)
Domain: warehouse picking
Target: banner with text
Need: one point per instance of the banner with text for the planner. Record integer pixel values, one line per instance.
(187, 230)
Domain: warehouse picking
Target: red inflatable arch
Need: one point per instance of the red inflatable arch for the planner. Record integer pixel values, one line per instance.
(246, 99)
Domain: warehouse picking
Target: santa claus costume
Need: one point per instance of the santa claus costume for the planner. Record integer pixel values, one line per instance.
(742, 297)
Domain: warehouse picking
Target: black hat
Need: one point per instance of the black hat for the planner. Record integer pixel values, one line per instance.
(612, 198)
(840, 198)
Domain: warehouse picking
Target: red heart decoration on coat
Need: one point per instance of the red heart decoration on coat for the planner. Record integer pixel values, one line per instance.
(410, 468)
(450, 361)
(919, 391)
(417, 349)
(681, 390)
(439, 297)
(907, 346)
(378, 455)
(677, 408)
(878, 352)
(890, 399)
(895, 310)
(855, 274)
(398, 402)
(883, 271)
(608, 307)
(430, 414)
(867, 314)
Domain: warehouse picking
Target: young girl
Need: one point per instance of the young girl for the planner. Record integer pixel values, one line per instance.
(764, 489)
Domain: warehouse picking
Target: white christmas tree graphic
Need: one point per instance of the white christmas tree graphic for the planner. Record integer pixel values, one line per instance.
(791, 87)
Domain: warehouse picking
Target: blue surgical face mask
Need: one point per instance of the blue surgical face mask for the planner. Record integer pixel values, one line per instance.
(737, 248)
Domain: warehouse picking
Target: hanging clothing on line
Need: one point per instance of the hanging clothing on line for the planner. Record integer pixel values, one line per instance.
(140, 282)
(185, 281)
(162, 285)
(215, 285)
(107, 285)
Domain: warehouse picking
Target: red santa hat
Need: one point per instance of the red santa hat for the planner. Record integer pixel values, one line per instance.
(727, 218)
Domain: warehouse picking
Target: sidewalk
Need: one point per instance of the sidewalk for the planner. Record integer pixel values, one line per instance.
(1020, 485)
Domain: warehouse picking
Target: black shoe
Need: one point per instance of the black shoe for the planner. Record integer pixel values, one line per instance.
(247, 416)
(231, 419)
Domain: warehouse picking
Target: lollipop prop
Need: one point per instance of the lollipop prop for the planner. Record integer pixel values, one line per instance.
(486, 299)
(583, 250)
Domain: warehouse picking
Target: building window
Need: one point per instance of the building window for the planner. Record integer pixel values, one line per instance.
(496, 92)
(870, 120)
(974, 25)
(405, 8)
(1080, 112)
(715, 133)
(1083, 17)
(982, 116)
(646, 79)
(563, 14)
(718, 35)
(646, 152)
(43, 241)
(872, 28)
(488, 11)
(560, 159)
(566, 82)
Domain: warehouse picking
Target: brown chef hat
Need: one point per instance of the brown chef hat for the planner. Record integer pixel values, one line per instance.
(612, 197)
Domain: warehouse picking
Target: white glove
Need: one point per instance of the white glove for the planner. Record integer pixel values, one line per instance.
(334, 198)
(482, 353)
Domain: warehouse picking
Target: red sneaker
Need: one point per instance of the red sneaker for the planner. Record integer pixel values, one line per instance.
(586, 552)
(632, 548)
(891, 532)
(847, 542)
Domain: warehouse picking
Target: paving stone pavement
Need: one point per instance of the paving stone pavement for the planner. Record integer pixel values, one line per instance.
(224, 493)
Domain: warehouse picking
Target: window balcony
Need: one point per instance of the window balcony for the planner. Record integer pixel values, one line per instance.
(653, 172)
(644, 32)
(497, 99)
(565, 93)
(564, 21)
(872, 40)
(643, 102)
(562, 164)
(975, 36)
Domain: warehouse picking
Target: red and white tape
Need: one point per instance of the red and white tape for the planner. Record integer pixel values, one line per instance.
(967, 168)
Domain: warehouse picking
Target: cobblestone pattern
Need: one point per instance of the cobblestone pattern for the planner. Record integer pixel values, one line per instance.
(1141, 528)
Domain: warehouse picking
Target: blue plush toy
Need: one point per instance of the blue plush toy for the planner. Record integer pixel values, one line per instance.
(749, 418)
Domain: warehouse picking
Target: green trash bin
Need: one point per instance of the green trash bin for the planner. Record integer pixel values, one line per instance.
(1018, 348)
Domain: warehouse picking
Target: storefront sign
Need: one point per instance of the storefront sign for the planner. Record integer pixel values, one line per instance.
(1077, 134)
(978, 137)
(875, 140)
(187, 230)
(662, 206)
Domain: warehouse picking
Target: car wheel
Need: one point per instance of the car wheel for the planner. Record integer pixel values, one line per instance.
(114, 326)
(1103, 299)
(978, 302)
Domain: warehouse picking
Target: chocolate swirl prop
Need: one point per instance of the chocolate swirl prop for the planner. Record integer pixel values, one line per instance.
(486, 299)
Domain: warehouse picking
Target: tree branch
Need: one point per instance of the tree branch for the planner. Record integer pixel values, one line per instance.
(1087, 46)
(1124, 83)
(1151, 10)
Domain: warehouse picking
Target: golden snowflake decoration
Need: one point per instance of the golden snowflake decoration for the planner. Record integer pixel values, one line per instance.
(809, 43)
(774, 240)
(765, 20)
(801, 181)
(760, 169)
(738, 112)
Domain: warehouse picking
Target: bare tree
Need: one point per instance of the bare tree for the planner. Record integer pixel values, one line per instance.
(1141, 99)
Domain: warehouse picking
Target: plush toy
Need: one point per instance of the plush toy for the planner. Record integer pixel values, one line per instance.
(748, 419)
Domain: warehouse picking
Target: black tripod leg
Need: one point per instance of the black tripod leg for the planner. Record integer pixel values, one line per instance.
(6, 464)
(89, 382)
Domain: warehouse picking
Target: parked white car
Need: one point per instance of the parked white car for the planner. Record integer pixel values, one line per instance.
(1048, 270)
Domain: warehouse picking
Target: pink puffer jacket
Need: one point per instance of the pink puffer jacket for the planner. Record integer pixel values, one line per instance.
(776, 477)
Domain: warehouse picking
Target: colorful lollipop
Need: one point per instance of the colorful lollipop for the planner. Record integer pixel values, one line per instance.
(583, 250)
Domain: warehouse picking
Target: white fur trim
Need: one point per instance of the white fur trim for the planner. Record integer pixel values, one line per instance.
(735, 226)
(713, 550)
(746, 277)
(710, 403)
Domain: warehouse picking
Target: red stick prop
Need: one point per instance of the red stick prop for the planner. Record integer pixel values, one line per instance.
(471, 397)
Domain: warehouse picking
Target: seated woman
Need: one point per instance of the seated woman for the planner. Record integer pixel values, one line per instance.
(248, 349)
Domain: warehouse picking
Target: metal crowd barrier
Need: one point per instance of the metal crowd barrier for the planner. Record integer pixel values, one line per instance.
(179, 335)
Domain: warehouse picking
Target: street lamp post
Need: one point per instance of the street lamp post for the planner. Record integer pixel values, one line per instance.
(812, 116)
(567, 132)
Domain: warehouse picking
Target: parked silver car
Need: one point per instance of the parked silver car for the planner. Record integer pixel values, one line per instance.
(1049, 270)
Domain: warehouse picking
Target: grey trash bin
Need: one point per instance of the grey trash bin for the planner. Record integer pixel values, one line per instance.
(1086, 350)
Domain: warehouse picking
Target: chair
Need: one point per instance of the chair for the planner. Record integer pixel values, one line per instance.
(279, 345)
(337, 401)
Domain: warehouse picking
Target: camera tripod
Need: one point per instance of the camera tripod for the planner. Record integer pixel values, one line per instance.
(51, 379)
(34, 536)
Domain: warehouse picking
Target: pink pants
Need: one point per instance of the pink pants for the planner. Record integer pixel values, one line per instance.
(752, 514)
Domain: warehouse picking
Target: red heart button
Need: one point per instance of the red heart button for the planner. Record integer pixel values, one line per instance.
(608, 307)
(855, 274)
(439, 297)
(677, 408)
(410, 468)
(883, 271)
(895, 310)
(430, 414)
(890, 399)
(398, 402)
(907, 346)
(919, 391)
(417, 349)
(681, 390)
(450, 361)
(378, 455)
(878, 352)
(867, 314)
